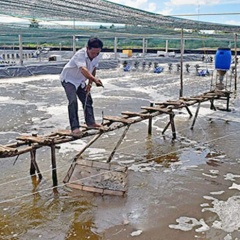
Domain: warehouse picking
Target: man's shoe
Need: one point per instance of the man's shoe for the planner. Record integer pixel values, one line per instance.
(77, 133)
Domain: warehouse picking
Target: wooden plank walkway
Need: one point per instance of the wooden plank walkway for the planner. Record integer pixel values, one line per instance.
(30, 143)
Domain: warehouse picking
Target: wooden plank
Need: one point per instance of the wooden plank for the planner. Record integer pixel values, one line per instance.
(63, 132)
(45, 140)
(162, 110)
(135, 114)
(192, 99)
(6, 149)
(178, 102)
(112, 192)
(118, 119)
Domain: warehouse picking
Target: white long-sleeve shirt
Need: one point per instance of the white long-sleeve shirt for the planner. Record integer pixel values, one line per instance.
(71, 71)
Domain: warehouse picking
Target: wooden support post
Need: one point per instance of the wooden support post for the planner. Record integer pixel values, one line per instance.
(196, 114)
(188, 110)
(150, 122)
(88, 145)
(54, 165)
(171, 122)
(34, 167)
(118, 143)
(212, 107)
(71, 169)
(228, 99)
(164, 130)
(173, 125)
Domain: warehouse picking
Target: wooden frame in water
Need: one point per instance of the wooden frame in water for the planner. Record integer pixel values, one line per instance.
(98, 177)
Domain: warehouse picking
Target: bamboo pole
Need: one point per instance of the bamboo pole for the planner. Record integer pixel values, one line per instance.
(181, 65)
(71, 169)
(54, 165)
(196, 114)
(118, 143)
(235, 65)
(20, 50)
(34, 166)
(150, 122)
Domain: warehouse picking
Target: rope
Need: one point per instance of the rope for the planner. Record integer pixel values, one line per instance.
(64, 184)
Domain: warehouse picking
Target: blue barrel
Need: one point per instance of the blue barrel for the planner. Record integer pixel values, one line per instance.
(223, 58)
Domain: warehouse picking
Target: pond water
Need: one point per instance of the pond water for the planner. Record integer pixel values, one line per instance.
(182, 189)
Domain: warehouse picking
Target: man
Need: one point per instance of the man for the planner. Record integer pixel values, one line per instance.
(77, 78)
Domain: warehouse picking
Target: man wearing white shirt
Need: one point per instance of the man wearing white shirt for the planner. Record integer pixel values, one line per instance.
(77, 77)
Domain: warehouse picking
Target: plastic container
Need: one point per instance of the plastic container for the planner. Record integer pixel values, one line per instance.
(223, 59)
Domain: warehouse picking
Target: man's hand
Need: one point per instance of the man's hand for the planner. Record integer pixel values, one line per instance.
(88, 87)
(99, 83)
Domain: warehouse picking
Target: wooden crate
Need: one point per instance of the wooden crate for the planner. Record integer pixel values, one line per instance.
(99, 177)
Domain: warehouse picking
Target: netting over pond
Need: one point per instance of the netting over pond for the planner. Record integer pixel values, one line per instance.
(100, 11)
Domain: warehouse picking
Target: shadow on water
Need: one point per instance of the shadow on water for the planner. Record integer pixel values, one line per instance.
(43, 214)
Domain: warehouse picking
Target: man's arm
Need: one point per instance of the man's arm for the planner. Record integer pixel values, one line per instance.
(90, 76)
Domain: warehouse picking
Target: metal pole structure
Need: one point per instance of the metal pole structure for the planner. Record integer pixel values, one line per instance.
(235, 73)
(181, 65)
(74, 44)
(115, 47)
(146, 45)
(20, 50)
(166, 47)
(143, 50)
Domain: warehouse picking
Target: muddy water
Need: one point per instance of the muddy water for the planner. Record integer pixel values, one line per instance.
(182, 189)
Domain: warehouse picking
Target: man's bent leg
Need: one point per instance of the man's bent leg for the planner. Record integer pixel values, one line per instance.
(87, 106)
(70, 91)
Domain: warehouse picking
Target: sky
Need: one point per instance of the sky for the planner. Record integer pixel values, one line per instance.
(184, 7)
(228, 10)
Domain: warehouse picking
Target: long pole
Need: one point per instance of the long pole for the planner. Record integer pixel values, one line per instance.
(74, 44)
(143, 45)
(20, 49)
(115, 47)
(181, 65)
(235, 74)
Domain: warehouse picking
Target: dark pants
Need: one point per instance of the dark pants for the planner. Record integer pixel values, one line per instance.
(72, 94)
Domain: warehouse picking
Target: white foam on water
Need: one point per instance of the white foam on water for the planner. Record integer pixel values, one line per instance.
(228, 214)
(214, 171)
(231, 177)
(142, 167)
(209, 198)
(204, 205)
(5, 99)
(208, 175)
(235, 186)
(58, 117)
(229, 237)
(217, 193)
(28, 79)
(96, 153)
(70, 147)
(188, 223)
(189, 167)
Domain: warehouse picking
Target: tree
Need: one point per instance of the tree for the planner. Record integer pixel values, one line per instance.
(34, 23)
